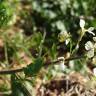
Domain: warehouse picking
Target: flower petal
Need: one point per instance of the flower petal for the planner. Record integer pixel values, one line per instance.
(82, 23)
(61, 64)
(67, 41)
(94, 71)
(90, 31)
(90, 53)
(89, 45)
(94, 38)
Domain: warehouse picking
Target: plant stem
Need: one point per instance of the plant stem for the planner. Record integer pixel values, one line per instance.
(80, 38)
(6, 54)
(41, 44)
(11, 71)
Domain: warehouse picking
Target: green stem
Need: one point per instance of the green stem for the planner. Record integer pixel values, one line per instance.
(6, 54)
(41, 44)
(80, 38)
(71, 45)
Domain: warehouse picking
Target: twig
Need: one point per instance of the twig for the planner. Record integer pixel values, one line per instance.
(66, 60)
(12, 71)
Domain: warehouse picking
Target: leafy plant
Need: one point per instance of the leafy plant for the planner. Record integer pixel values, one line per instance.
(47, 38)
(5, 13)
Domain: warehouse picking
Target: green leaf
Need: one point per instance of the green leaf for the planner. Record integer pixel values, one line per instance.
(19, 87)
(34, 68)
(53, 51)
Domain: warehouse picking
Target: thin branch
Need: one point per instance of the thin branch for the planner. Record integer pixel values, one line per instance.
(12, 71)
(74, 58)
(66, 60)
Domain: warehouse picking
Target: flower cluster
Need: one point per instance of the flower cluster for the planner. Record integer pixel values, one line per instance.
(89, 46)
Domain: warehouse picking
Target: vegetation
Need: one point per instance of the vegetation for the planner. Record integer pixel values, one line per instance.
(47, 48)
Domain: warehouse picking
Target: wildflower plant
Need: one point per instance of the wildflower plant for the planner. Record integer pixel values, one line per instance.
(18, 43)
(90, 46)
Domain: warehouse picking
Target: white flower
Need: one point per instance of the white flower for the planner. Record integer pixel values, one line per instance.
(89, 45)
(94, 71)
(90, 53)
(61, 64)
(67, 41)
(90, 49)
(90, 30)
(94, 38)
(82, 23)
